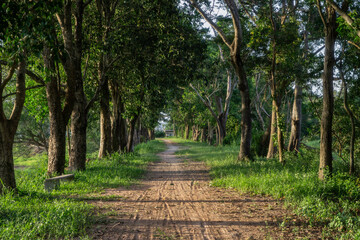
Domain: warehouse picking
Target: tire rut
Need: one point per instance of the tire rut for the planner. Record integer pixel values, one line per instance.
(175, 201)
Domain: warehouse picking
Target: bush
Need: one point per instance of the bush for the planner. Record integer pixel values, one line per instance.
(159, 134)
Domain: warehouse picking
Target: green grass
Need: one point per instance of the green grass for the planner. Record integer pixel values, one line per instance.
(334, 203)
(36, 214)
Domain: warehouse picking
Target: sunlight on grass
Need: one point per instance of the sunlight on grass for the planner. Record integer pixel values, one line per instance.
(335, 203)
(36, 214)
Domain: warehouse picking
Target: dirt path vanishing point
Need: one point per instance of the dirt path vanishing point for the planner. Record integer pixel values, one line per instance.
(175, 201)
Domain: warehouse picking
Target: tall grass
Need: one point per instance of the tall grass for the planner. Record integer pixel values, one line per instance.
(334, 203)
(33, 213)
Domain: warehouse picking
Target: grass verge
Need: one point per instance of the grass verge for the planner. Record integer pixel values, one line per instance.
(334, 203)
(36, 214)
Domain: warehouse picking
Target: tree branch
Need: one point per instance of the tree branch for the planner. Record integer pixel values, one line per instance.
(207, 104)
(35, 77)
(344, 15)
(26, 89)
(354, 44)
(9, 76)
(321, 13)
(208, 19)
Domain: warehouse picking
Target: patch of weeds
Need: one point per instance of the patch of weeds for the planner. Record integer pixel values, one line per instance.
(162, 235)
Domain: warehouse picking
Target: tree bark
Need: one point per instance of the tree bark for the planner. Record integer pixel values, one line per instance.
(294, 141)
(105, 122)
(325, 167)
(221, 129)
(118, 126)
(203, 134)
(280, 137)
(352, 119)
(9, 126)
(210, 134)
(58, 115)
(265, 140)
(130, 142)
(243, 86)
(187, 131)
(77, 159)
(151, 133)
(271, 148)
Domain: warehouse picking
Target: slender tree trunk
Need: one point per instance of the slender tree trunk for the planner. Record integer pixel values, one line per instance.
(325, 166)
(151, 134)
(221, 129)
(265, 140)
(77, 159)
(105, 122)
(203, 134)
(210, 134)
(243, 86)
(294, 141)
(118, 126)
(352, 119)
(217, 136)
(271, 148)
(79, 118)
(279, 135)
(130, 142)
(187, 131)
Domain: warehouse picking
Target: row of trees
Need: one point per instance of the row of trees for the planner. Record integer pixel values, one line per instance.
(66, 60)
(276, 49)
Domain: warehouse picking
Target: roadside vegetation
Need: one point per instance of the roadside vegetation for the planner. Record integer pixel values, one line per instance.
(34, 213)
(334, 203)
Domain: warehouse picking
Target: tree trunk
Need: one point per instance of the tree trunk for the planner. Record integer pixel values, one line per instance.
(243, 86)
(279, 135)
(217, 136)
(8, 129)
(187, 131)
(118, 126)
(105, 122)
(210, 134)
(271, 149)
(294, 141)
(221, 129)
(77, 157)
(58, 116)
(73, 36)
(325, 166)
(7, 173)
(353, 132)
(265, 140)
(203, 134)
(130, 142)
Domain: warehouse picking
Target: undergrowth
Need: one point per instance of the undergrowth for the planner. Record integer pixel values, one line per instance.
(334, 203)
(33, 213)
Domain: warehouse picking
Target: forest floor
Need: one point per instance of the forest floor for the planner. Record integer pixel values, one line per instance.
(175, 200)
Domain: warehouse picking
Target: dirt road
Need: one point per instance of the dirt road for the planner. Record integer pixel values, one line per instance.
(175, 201)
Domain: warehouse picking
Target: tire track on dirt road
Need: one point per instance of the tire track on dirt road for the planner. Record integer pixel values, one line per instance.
(175, 201)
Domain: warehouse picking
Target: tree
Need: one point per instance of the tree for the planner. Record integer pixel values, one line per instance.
(239, 68)
(330, 25)
(221, 110)
(8, 125)
(20, 37)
